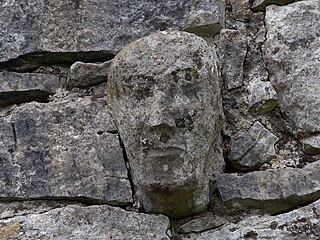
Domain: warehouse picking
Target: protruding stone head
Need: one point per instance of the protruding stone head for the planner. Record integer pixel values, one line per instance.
(165, 99)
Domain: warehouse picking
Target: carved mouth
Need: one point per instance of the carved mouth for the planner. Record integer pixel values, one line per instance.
(167, 152)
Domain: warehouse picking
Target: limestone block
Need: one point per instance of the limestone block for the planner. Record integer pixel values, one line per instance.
(233, 50)
(66, 31)
(253, 148)
(93, 222)
(84, 75)
(63, 150)
(302, 223)
(292, 51)
(271, 190)
(24, 87)
(262, 97)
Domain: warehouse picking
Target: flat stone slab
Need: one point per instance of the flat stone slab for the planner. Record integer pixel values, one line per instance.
(39, 27)
(93, 222)
(302, 223)
(62, 149)
(25, 87)
(260, 5)
(271, 190)
(253, 148)
(291, 51)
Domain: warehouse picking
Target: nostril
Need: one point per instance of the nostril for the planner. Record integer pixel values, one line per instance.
(164, 138)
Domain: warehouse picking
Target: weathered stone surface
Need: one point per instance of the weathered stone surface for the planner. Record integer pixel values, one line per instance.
(240, 9)
(165, 99)
(62, 149)
(77, 29)
(93, 222)
(260, 5)
(262, 97)
(253, 149)
(18, 208)
(25, 87)
(302, 223)
(233, 49)
(311, 145)
(201, 224)
(271, 190)
(292, 54)
(87, 74)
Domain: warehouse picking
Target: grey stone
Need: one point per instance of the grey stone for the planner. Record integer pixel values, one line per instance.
(164, 94)
(201, 224)
(19, 208)
(302, 223)
(62, 149)
(271, 190)
(253, 148)
(92, 30)
(292, 56)
(260, 5)
(240, 9)
(262, 97)
(93, 222)
(233, 50)
(84, 75)
(311, 145)
(24, 87)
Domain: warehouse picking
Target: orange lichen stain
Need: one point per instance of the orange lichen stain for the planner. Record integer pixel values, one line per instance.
(10, 231)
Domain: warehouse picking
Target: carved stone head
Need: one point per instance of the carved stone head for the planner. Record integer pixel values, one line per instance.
(164, 94)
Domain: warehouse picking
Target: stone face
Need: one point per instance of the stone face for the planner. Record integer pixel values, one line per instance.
(73, 27)
(24, 87)
(93, 222)
(260, 5)
(262, 97)
(271, 190)
(233, 49)
(62, 149)
(302, 223)
(165, 99)
(84, 75)
(292, 54)
(311, 145)
(253, 149)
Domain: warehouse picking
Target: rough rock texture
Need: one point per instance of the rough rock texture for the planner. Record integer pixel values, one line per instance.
(201, 224)
(62, 150)
(253, 149)
(262, 97)
(271, 190)
(302, 223)
(93, 222)
(84, 27)
(240, 9)
(84, 75)
(292, 54)
(311, 145)
(233, 50)
(24, 87)
(165, 100)
(260, 5)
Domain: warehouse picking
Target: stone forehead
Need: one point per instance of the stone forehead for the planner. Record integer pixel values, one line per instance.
(161, 53)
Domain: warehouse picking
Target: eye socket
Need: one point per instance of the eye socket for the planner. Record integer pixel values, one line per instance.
(184, 122)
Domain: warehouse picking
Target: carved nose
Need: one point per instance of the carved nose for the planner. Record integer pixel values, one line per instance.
(160, 114)
(161, 117)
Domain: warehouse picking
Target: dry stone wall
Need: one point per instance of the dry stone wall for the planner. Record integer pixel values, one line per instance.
(160, 119)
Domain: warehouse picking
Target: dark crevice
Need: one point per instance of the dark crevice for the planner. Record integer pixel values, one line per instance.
(18, 97)
(125, 157)
(14, 134)
(260, 48)
(30, 62)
